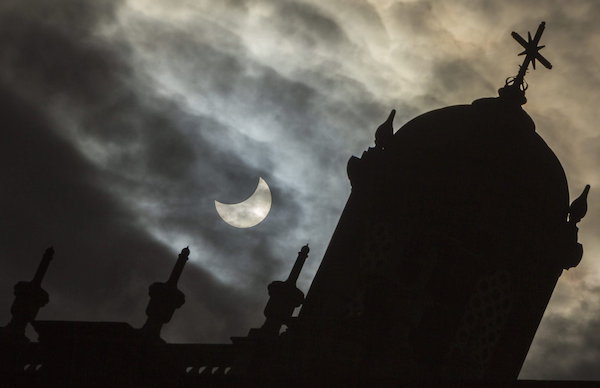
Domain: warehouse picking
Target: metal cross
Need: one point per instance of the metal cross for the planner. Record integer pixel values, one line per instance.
(531, 52)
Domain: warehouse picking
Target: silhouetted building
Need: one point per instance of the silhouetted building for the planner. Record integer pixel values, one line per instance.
(448, 249)
(440, 269)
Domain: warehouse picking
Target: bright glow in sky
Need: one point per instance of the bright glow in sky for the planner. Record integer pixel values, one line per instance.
(251, 211)
(360, 59)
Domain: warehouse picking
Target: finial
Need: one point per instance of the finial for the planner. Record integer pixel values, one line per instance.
(178, 268)
(165, 298)
(304, 250)
(284, 297)
(515, 86)
(295, 272)
(385, 132)
(29, 298)
(578, 207)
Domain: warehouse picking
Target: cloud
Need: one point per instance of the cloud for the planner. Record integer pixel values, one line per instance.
(97, 163)
(50, 196)
(126, 120)
(568, 340)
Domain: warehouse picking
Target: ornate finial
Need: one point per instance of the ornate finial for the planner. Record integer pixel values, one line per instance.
(578, 207)
(185, 251)
(165, 298)
(516, 86)
(178, 267)
(295, 272)
(574, 250)
(29, 298)
(385, 132)
(284, 297)
(304, 250)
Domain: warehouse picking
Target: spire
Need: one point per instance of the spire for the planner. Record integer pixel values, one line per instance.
(29, 298)
(515, 87)
(295, 272)
(284, 297)
(165, 298)
(178, 267)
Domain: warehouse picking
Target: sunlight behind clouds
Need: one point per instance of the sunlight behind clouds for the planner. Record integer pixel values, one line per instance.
(345, 64)
(186, 102)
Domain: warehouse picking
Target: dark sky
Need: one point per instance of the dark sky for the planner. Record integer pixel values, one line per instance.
(124, 121)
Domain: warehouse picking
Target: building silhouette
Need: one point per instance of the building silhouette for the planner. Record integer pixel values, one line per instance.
(455, 233)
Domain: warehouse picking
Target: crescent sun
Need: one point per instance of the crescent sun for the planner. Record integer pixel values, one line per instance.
(250, 212)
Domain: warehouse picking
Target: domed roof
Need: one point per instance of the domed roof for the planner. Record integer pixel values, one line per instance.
(482, 165)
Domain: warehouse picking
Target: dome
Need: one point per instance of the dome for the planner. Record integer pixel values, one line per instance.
(449, 246)
(487, 145)
(471, 169)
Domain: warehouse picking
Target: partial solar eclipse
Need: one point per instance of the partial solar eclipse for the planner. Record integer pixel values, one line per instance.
(250, 212)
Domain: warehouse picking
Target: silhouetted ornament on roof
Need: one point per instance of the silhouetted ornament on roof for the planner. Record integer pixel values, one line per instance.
(385, 132)
(514, 88)
(483, 164)
(578, 208)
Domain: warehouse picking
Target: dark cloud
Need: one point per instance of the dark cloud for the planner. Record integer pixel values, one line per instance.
(51, 50)
(69, 94)
(415, 19)
(122, 127)
(104, 261)
(570, 342)
(309, 25)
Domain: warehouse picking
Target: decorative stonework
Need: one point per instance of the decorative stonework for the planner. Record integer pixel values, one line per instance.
(481, 326)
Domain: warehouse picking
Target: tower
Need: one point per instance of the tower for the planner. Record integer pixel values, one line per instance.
(456, 231)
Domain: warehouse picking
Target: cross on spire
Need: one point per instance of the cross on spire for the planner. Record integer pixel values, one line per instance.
(531, 53)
